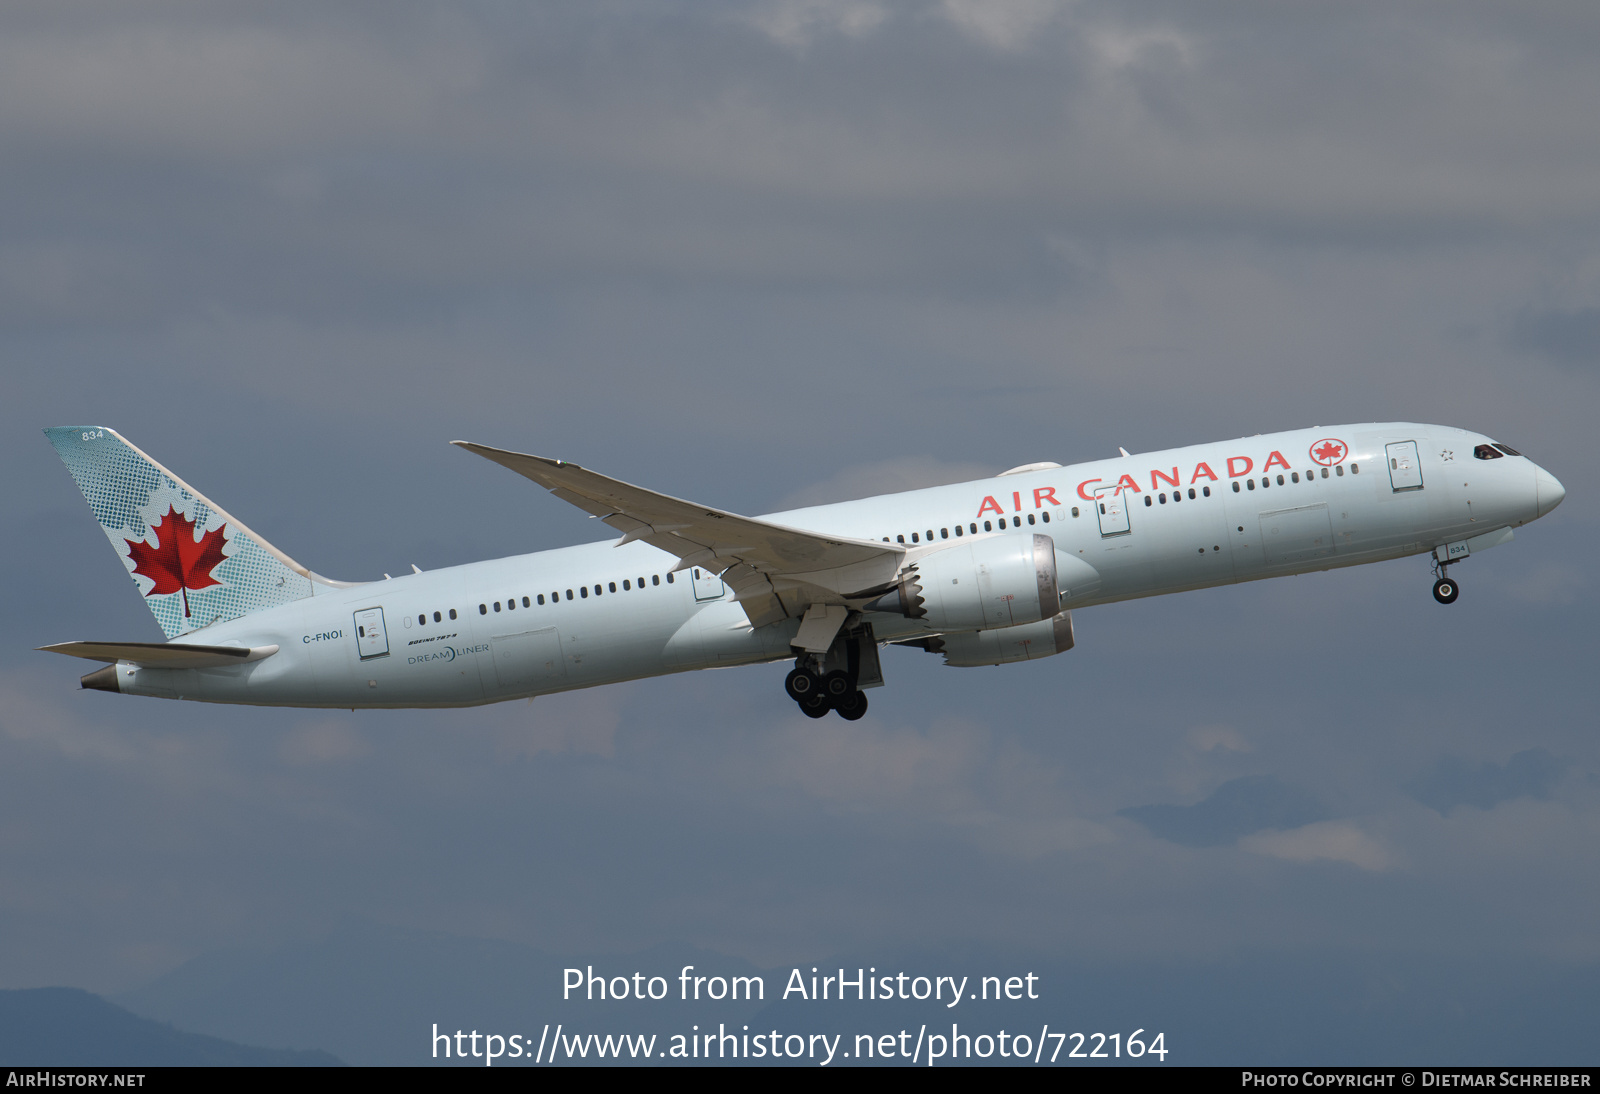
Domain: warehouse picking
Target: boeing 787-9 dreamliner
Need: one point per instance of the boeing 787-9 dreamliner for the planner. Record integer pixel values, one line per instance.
(982, 573)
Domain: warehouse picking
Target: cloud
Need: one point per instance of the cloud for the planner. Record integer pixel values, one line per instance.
(1236, 808)
(797, 23)
(1004, 24)
(1217, 737)
(1338, 841)
(1565, 336)
(1455, 782)
(1550, 583)
(323, 742)
(865, 480)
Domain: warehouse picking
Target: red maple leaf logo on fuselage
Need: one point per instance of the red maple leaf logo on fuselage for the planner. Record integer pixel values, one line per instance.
(1328, 452)
(178, 562)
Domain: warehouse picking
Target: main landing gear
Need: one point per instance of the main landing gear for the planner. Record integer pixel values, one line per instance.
(817, 695)
(1445, 589)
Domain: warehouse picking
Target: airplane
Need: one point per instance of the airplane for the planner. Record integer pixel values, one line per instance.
(983, 573)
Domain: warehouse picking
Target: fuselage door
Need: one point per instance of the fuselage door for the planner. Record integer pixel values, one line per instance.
(1405, 470)
(371, 639)
(1111, 506)
(707, 585)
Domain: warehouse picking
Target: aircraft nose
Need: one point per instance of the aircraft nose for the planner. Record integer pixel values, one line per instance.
(1550, 490)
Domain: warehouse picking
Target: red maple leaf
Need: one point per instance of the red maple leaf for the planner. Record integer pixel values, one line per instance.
(1328, 451)
(177, 562)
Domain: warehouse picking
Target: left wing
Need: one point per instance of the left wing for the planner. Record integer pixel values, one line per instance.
(775, 572)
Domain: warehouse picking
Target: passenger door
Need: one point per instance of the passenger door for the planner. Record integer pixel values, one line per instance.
(371, 638)
(1405, 470)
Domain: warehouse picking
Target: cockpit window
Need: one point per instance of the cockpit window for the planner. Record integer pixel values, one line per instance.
(1507, 449)
(1486, 452)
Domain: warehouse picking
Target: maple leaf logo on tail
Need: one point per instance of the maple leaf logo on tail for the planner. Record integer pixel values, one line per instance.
(177, 562)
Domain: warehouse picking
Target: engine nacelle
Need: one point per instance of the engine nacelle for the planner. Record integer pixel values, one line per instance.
(1003, 581)
(1028, 642)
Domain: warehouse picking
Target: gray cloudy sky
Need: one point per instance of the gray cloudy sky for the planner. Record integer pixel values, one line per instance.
(771, 253)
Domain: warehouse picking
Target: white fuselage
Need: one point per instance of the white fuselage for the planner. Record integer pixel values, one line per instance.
(1185, 518)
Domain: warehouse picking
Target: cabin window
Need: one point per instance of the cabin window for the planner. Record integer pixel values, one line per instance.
(511, 604)
(973, 528)
(496, 605)
(598, 590)
(930, 535)
(913, 537)
(583, 591)
(1294, 476)
(1147, 501)
(612, 586)
(641, 583)
(1324, 472)
(1191, 493)
(899, 539)
(1030, 518)
(483, 609)
(1162, 497)
(669, 579)
(436, 616)
(1235, 488)
(1045, 516)
(541, 600)
(1280, 480)
(626, 587)
(1206, 490)
(987, 526)
(944, 533)
(958, 530)
(1177, 495)
(1355, 469)
(1074, 510)
(452, 613)
(1016, 522)
(422, 619)
(1507, 449)
(655, 579)
(1339, 470)
(569, 594)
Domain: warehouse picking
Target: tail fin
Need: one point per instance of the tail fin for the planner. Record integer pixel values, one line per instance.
(195, 564)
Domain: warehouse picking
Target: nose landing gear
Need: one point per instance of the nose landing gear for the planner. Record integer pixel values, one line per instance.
(1445, 589)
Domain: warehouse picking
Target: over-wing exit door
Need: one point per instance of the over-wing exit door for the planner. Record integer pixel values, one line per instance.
(1111, 506)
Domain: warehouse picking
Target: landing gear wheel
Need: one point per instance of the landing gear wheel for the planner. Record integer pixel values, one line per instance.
(815, 706)
(836, 685)
(1445, 590)
(852, 706)
(801, 684)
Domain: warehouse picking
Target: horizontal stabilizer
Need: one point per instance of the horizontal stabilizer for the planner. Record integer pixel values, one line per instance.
(163, 655)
